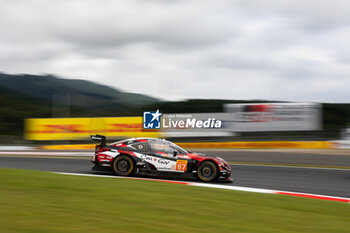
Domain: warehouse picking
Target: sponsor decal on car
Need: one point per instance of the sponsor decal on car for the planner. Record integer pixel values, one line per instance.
(159, 163)
(163, 161)
(146, 157)
(181, 165)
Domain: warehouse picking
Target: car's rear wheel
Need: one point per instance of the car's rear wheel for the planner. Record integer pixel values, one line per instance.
(207, 171)
(123, 165)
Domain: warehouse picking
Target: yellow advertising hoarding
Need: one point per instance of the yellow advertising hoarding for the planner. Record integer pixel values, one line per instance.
(82, 128)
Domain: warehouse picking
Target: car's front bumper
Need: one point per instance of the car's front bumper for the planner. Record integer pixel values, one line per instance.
(225, 173)
(225, 177)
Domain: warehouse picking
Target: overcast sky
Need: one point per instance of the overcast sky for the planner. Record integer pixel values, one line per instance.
(179, 49)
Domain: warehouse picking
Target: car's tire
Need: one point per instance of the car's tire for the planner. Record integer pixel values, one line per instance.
(123, 165)
(207, 171)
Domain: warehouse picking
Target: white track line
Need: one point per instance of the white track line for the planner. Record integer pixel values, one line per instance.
(16, 148)
(236, 188)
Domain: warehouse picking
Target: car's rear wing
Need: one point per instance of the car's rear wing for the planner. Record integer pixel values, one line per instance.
(99, 138)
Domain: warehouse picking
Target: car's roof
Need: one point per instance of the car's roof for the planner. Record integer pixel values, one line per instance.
(136, 139)
(147, 139)
(155, 139)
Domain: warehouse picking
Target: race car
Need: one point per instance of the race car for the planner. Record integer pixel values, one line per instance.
(157, 157)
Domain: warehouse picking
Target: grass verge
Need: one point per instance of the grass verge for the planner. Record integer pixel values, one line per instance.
(33, 201)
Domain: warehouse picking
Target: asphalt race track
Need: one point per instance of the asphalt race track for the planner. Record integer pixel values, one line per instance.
(335, 182)
(302, 157)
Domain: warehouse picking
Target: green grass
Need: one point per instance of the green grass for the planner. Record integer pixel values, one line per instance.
(33, 202)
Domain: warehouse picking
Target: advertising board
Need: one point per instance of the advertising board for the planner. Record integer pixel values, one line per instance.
(273, 117)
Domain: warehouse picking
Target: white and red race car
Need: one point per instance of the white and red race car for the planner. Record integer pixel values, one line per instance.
(157, 157)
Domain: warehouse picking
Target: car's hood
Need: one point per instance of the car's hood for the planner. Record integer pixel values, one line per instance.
(200, 156)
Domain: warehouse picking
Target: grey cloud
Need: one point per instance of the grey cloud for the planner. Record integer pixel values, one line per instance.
(311, 15)
(123, 22)
(230, 49)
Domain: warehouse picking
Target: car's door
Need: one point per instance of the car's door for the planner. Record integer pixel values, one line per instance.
(167, 158)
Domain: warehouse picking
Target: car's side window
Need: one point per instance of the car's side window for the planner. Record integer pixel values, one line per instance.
(161, 147)
(179, 152)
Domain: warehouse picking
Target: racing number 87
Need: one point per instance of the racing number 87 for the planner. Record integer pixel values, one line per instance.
(181, 165)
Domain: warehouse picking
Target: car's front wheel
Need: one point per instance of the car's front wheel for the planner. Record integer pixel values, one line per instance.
(123, 165)
(207, 171)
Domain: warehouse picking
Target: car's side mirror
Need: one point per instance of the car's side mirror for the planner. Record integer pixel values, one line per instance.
(174, 153)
